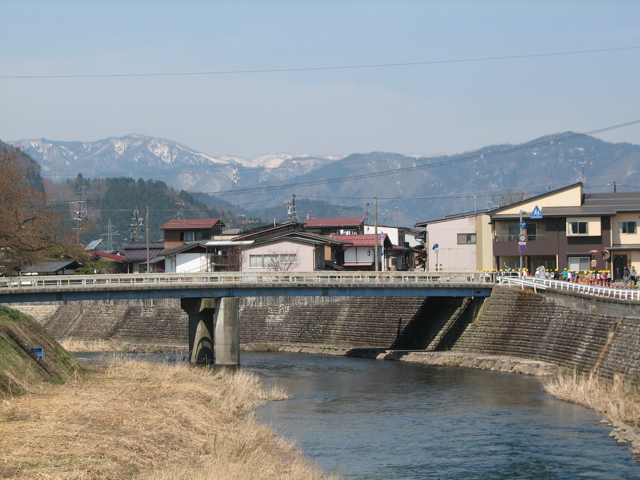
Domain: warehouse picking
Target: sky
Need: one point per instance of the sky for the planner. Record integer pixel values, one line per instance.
(443, 105)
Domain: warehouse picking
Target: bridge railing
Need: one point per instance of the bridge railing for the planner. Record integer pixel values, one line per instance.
(536, 284)
(290, 278)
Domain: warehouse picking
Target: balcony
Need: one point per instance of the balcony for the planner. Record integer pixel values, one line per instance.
(516, 238)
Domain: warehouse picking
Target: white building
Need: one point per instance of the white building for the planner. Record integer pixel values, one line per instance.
(461, 243)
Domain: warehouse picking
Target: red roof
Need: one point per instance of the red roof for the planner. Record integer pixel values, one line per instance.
(190, 224)
(334, 222)
(366, 240)
(108, 256)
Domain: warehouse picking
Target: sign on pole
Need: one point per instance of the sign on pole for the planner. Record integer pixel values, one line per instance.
(536, 214)
(523, 224)
(522, 248)
(523, 238)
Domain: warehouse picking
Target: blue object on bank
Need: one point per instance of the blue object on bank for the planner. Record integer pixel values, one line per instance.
(38, 352)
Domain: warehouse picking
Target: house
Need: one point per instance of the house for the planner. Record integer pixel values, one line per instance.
(337, 226)
(135, 254)
(293, 251)
(179, 232)
(575, 230)
(52, 267)
(209, 256)
(360, 255)
(459, 243)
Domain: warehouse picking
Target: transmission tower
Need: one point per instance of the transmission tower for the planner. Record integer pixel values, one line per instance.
(111, 232)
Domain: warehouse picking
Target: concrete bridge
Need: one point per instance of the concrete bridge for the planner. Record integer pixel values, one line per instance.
(211, 299)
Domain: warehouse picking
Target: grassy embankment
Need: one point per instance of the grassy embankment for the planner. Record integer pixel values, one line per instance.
(136, 420)
(616, 400)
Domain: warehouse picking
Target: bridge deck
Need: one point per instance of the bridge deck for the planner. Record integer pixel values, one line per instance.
(214, 285)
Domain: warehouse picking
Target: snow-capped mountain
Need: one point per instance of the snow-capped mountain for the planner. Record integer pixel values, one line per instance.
(161, 159)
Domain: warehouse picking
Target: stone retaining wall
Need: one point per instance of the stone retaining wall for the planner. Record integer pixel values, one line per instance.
(525, 324)
(547, 327)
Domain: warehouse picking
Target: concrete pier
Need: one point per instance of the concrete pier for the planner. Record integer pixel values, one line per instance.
(201, 328)
(227, 331)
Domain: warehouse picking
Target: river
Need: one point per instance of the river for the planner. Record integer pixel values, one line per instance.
(367, 419)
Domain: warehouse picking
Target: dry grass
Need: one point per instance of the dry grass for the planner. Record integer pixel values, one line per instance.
(617, 400)
(147, 421)
(77, 345)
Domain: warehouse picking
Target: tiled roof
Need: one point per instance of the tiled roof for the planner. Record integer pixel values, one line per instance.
(143, 245)
(141, 255)
(190, 224)
(50, 266)
(367, 240)
(334, 222)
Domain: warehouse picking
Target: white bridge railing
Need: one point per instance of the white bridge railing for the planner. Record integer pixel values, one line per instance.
(542, 284)
(224, 278)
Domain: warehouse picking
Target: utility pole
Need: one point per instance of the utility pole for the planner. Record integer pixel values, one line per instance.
(375, 231)
(137, 223)
(615, 185)
(147, 231)
(522, 231)
(292, 215)
(80, 213)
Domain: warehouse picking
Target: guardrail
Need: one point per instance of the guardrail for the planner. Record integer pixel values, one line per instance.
(536, 284)
(136, 280)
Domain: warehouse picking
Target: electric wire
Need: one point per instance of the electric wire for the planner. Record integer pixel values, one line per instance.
(313, 69)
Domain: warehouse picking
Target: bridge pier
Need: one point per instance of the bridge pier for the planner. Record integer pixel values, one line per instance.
(227, 334)
(214, 330)
(200, 311)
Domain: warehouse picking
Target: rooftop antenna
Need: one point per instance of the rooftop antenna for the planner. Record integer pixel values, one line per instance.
(550, 181)
(385, 216)
(615, 185)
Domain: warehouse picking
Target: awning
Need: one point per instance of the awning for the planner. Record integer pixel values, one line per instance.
(358, 264)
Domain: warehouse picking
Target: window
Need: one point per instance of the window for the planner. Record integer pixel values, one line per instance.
(188, 236)
(580, 263)
(627, 227)
(274, 261)
(578, 228)
(466, 238)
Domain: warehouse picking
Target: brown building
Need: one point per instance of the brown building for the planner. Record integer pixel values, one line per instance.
(577, 231)
(179, 232)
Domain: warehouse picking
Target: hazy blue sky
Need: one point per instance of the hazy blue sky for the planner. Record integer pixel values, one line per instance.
(438, 108)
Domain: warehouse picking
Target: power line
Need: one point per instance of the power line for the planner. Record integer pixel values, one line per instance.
(312, 69)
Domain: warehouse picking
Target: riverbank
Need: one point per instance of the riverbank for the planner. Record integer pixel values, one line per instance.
(449, 359)
(618, 401)
(148, 421)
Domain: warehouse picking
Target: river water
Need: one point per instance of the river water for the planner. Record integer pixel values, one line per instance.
(367, 419)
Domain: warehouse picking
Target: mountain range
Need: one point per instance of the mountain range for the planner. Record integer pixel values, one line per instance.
(410, 188)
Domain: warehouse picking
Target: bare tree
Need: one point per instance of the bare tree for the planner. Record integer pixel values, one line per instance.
(281, 261)
(28, 227)
(512, 196)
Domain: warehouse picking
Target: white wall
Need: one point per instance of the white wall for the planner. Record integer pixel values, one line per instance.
(452, 257)
(304, 254)
(191, 262)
